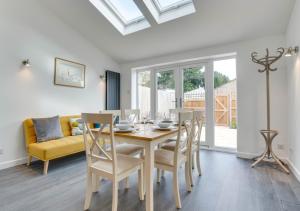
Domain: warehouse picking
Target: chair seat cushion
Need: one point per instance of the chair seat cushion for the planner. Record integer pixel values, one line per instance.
(128, 149)
(166, 157)
(169, 146)
(57, 148)
(124, 162)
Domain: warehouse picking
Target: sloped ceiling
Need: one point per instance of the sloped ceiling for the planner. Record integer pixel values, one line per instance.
(215, 22)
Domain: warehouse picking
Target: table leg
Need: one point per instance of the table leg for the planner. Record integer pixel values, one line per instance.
(149, 167)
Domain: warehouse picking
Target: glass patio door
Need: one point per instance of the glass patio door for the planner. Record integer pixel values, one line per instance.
(166, 91)
(199, 86)
(185, 87)
(193, 92)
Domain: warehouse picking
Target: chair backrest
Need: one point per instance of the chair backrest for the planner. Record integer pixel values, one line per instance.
(198, 124)
(117, 114)
(133, 115)
(94, 151)
(173, 113)
(185, 133)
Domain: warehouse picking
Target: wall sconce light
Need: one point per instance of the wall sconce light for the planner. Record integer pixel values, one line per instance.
(291, 51)
(26, 63)
(102, 77)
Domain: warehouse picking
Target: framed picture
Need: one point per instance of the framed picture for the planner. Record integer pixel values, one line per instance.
(68, 73)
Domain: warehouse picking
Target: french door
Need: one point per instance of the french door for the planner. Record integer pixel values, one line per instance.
(166, 91)
(209, 86)
(185, 87)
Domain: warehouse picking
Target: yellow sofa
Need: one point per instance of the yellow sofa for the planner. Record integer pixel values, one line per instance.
(52, 149)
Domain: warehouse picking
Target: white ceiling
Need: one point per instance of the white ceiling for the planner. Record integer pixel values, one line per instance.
(215, 22)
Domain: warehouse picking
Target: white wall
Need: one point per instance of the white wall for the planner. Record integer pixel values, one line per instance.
(250, 91)
(31, 31)
(293, 39)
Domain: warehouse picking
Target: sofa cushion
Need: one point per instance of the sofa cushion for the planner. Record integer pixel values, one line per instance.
(77, 126)
(47, 128)
(29, 133)
(57, 148)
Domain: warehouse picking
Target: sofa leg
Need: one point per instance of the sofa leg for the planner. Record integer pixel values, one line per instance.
(46, 164)
(29, 160)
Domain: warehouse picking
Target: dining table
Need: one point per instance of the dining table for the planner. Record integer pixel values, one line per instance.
(149, 137)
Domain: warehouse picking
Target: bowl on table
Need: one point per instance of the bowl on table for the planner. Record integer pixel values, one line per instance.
(167, 121)
(123, 126)
(125, 122)
(163, 124)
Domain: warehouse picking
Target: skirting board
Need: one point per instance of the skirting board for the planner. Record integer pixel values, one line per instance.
(12, 163)
(294, 170)
(218, 149)
(292, 167)
(246, 155)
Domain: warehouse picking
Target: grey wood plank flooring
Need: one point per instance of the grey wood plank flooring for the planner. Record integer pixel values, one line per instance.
(227, 184)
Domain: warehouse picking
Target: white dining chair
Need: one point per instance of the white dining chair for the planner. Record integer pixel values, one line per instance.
(173, 113)
(172, 160)
(124, 148)
(198, 120)
(117, 114)
(133, 115)
(195, 144)
(101, 163)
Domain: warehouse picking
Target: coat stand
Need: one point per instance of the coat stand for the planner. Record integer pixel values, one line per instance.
(268, 134)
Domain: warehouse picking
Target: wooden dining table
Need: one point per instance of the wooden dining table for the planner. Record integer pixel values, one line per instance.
(149, 138)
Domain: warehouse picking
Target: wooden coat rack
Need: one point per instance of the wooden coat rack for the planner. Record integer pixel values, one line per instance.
(268, 134)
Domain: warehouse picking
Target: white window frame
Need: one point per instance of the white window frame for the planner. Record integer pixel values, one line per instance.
(175, 69)
(174, 6)
(209, 93)
(178, 75)
(121, 17)
(152, 98)
(113, 16)
(219, 148)
(171, 13)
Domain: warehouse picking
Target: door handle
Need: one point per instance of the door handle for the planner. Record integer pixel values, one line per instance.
(175, 101)
(181, 101)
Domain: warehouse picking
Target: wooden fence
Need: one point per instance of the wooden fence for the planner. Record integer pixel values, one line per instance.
(225, 109)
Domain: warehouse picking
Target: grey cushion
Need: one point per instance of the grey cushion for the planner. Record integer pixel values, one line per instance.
(47, 128)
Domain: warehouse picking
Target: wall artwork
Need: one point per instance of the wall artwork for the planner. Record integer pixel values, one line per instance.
(68, 73)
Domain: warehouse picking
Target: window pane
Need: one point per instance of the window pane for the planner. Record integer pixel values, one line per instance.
(165, 93)
(194, 91)
(225, 103)
(165, 4)
(126, 10)
(144, 93)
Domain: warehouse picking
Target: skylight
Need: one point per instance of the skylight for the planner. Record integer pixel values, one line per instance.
(124, 15)
(167, 10)
(164, 5)
(126, 10)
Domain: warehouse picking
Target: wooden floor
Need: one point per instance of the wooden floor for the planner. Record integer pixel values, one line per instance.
(228, 183)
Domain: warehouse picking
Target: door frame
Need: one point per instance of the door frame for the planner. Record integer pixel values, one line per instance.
(164, 69)
(209, 115)
(209, 92)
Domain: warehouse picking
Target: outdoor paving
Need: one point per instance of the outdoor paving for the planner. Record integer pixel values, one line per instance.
(224, 137)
